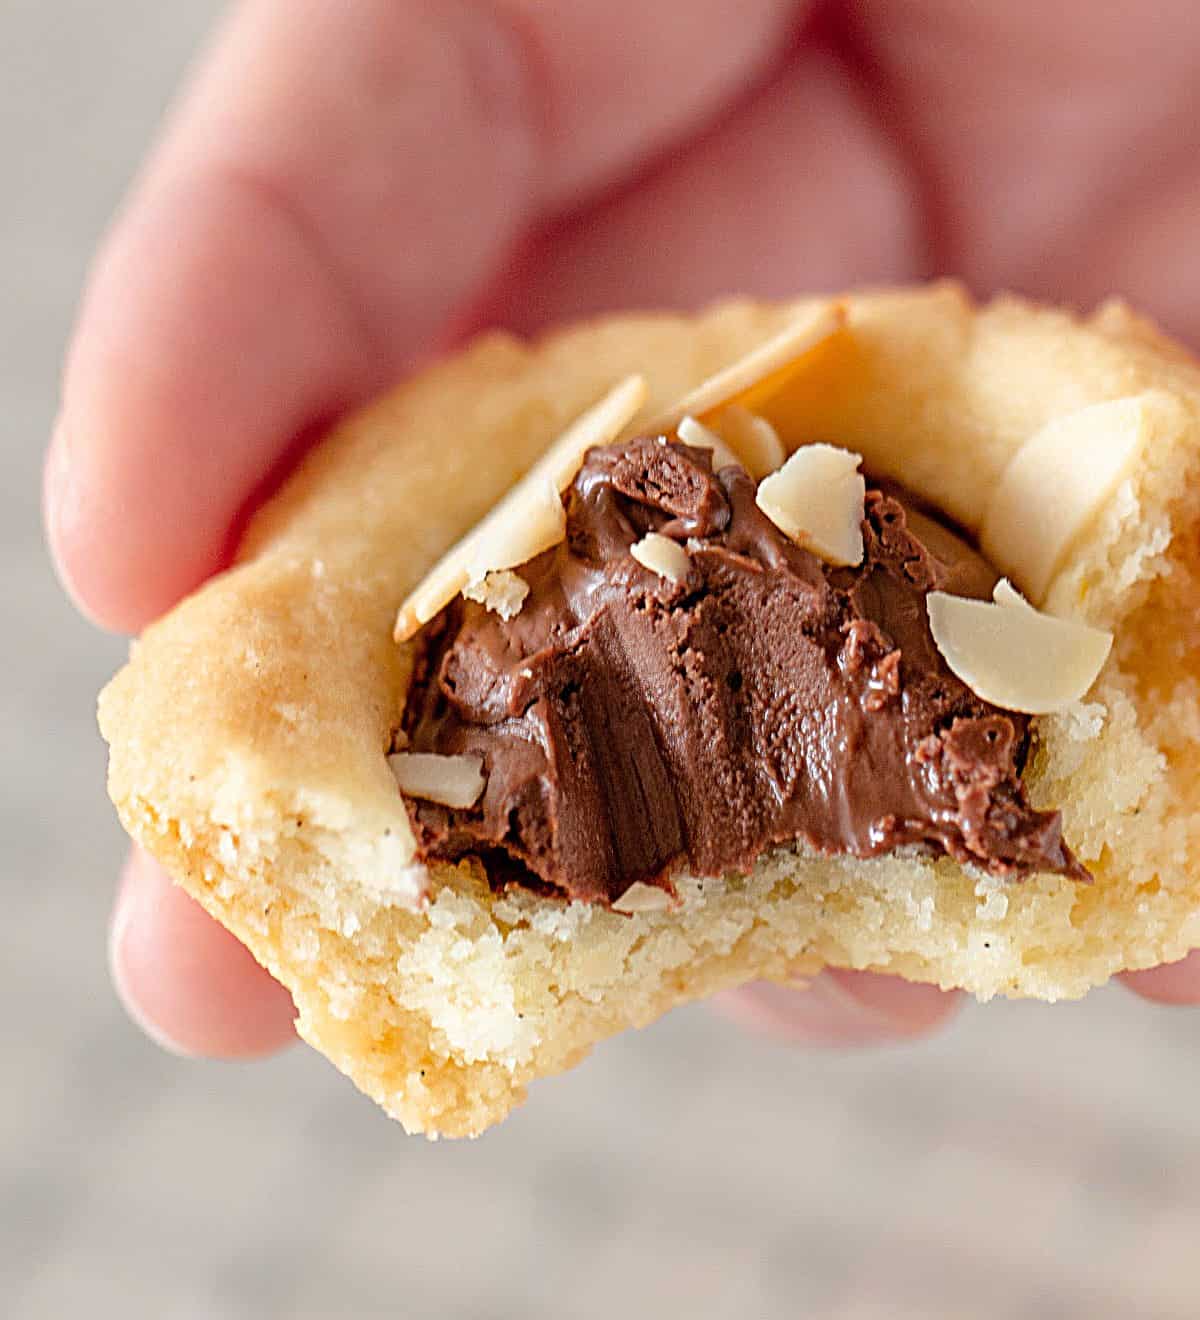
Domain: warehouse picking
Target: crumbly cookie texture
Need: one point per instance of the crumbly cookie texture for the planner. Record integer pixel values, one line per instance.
(249, 732)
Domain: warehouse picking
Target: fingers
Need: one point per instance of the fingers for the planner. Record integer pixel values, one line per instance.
(184, 979)
(623, 80)
(797, 190)
(324, 149)
(1058, 143)
(1137, 254)
(340, 184)
(860, 1008)
(1173, 983)
(842, 1008)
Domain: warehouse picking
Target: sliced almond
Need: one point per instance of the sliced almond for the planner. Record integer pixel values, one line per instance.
(525, 517)
(663, 556)
(501, 592)
(600, 425)
(531, 524)
(816, 499)
(529, 520)
(753, 439)
(761, 372)
(641, 897)
(695, 433)
(1004, 593)
(454, 781)
(1013, 655)
(1057, 482)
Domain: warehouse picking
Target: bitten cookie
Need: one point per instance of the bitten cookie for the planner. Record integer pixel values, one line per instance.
(447, 945)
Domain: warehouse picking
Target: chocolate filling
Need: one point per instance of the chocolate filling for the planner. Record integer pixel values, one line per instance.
(628, 724)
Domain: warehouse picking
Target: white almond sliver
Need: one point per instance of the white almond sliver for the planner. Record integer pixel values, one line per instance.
(600, 425)
(1004, 593)
(663, 556)
(534, 523)
(483, 549)
(454, 781)
(502, 592)
(755, 441)
(1013, 655)
(699, 436)
(1056, 483)
(816, 499)
(641, 897)
(799, 339)
(528, 520)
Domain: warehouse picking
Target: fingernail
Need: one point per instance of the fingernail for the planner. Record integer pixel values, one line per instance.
(58, 507)
(842, 1008)
(122, 934)
(54, 476)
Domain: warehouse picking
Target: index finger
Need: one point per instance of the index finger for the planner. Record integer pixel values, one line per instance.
(342, 181)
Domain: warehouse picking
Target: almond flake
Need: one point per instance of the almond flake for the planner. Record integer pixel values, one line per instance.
(525, 517)
(1013, 655)
(699, 436)
(503, 592)
(1004, 593)
(663, 556)
(454, 781)
(755, 441)
(816, 499)
(641, 897)
(532, 524)
(600, 425)
(1057, 482)
(761, 372)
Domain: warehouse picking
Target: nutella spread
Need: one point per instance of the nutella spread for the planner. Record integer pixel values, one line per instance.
(630, 723)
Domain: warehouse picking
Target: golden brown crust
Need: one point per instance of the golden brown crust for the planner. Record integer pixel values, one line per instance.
(249, 729)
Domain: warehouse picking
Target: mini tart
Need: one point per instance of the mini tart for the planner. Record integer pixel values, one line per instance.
(250, 729)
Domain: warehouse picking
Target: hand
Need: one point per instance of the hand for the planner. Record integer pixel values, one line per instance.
(350, 185)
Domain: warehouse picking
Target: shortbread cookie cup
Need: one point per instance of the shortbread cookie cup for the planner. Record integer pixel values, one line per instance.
(249, 730)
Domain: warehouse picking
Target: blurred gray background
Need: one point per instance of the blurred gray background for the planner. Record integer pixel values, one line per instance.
(1031, 1162)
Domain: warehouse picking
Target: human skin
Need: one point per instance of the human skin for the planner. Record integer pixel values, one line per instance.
(349, 186)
